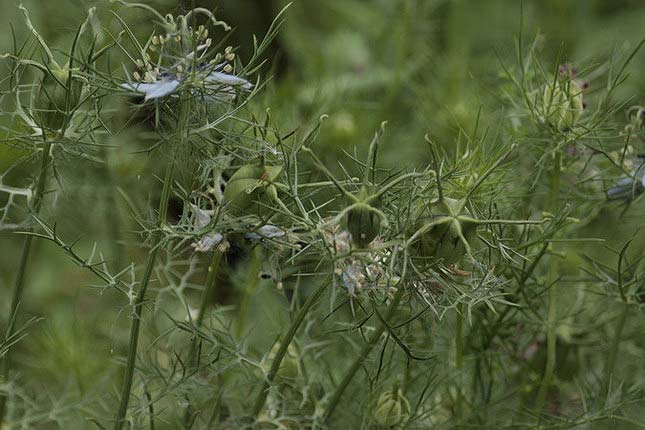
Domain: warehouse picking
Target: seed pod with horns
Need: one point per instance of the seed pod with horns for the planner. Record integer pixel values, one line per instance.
(445, 229)
(248, 186)
(363, 217)
(447, 233)
(58, 95)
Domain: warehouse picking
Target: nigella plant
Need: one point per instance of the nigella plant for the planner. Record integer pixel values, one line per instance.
(194, 85)
(181, 68)
(255, 271)
(575, 145)
(50, 113)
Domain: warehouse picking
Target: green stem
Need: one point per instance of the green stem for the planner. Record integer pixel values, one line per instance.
(613, 350)
(151, 409)
(113, 221)
(211, 280)
(552, 312)
(367, 348)
(193, 357)
(252, 284)
(284, 345)
(140, 297)
(459, 360)
(18, 289)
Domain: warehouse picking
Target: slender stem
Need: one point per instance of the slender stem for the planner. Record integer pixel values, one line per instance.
(520, 290)
(113, 221)
(215, 414)
(284, 345)
(613, 350)
(140, 297)
(252, 283)
(18, 288)
(211, 280)
(151, 409)
(367, 348)
(552, 312)
(459, 360)
(193, 357)
(555, 184)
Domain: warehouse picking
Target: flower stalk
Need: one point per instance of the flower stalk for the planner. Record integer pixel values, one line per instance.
(613, 350)
(19, 286)
(284, 345)
(552, 298)
(459, 361)
(152, 257)
(367, 348)
(139, 300)
(193, 357)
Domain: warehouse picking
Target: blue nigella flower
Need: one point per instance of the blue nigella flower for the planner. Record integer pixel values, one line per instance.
(180, 57)
(630, 187)
(166, 83)
(154, 90)
(626, 188)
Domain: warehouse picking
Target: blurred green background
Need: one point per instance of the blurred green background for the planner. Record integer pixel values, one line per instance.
(422, 65)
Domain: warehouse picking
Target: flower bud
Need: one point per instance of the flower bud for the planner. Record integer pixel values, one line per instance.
(363, 223)
(57, 97)
(343, 127)
(392, 409)
(443, 241)
(563, 103)
(242, 191)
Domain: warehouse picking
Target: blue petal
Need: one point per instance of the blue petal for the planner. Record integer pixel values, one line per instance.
(154, 90)
(226, 79)
(626, 188)
(267, 231)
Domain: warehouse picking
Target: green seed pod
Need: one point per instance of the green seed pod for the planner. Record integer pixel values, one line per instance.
(392, 409)
(443, 241)
(57, 97)
(563, 103)
(247, 185)
(289, 366)
(343, 127)
(363, 223)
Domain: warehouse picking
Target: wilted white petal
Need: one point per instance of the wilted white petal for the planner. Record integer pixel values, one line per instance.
(154, 90)
(352, 278)
(626, 187)
(226, 79)
(202, 217)
(266, 232)
(252, 236)
(193, 314)
(208, 242)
